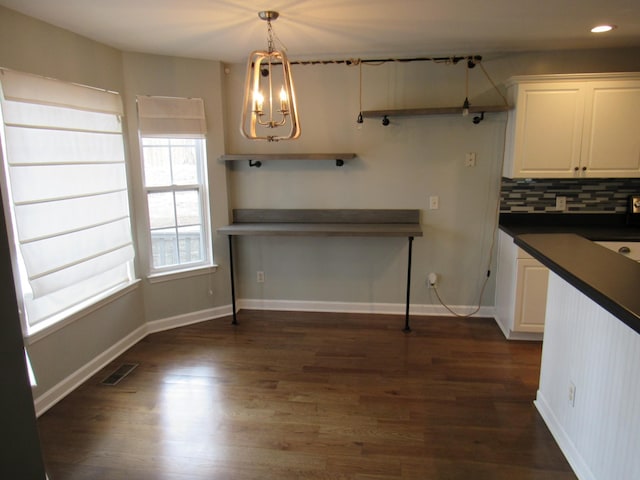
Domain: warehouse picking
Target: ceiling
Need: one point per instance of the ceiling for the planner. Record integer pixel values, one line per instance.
(228, 30)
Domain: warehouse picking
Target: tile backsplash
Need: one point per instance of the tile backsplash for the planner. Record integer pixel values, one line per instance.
(597, 195)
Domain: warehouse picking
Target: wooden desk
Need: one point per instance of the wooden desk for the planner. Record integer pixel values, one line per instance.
(324, 223)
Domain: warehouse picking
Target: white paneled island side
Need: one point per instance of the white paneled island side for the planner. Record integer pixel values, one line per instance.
(589, 392)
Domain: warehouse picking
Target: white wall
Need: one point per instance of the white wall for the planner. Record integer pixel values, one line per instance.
(32, 46)
(398, 166)
(65, 357)
(180, 77)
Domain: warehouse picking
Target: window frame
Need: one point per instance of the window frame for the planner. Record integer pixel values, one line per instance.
(154, 272)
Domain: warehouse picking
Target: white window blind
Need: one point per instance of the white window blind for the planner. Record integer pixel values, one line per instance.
(65, 178)
(172, 138)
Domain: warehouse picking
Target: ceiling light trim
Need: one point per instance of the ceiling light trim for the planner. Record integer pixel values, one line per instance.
(604, 28)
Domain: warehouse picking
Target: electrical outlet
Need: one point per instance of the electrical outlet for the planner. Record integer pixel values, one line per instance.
(260, 276)
(434, 202)
(572, 394)
(561, 203)
(432, 280)
(470, 159)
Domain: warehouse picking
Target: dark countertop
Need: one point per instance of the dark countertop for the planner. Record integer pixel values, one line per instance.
(596, 227)
(609, 279)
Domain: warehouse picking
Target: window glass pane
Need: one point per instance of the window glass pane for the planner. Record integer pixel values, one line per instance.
(190, 244)
(185, 165)
(188, 208)
(157, 166)
(182, 141)
(161, 210)
(164, 247)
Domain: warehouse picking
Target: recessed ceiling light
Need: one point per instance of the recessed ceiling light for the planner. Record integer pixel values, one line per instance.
(602, 28)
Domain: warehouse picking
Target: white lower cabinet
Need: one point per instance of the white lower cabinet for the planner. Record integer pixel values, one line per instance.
(521, 292)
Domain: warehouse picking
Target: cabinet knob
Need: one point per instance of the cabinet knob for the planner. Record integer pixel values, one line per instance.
(575, 168)
(584, 169)
(624, 250)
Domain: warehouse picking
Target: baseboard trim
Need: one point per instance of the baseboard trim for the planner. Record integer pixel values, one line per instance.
(351, 307)
(52, 396)
(188, 319)
(567, 447)
(511, 335)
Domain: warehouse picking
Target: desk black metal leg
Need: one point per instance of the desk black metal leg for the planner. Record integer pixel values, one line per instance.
(407, 328)
(233, 283)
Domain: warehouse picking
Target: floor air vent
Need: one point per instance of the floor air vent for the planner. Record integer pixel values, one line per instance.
(120, 372)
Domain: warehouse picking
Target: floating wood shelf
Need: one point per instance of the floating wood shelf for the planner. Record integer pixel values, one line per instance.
(256, 159)
(406, 112)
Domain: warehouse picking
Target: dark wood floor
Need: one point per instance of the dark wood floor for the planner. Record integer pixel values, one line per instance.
(311, 396)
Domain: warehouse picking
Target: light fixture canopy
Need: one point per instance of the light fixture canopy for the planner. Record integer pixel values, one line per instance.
(269, 108)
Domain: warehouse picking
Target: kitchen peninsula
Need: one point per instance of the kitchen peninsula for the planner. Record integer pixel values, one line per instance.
(589, 393)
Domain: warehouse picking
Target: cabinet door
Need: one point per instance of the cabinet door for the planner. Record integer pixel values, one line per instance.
(611, 145)
(548, 130)
(531, 295)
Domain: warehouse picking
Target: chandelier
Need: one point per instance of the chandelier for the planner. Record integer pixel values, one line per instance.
(269, 108)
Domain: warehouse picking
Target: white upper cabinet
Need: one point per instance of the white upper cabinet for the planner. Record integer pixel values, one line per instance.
(573, 126)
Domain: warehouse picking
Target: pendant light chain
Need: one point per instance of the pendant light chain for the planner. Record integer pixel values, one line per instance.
(273, 38)
(269, 37)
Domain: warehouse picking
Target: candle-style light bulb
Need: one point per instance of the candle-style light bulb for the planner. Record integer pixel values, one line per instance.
(284, 101)
(258, 101)
(465, 107)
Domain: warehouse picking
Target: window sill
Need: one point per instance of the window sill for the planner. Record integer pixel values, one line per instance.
(47, 328)
(170, 276)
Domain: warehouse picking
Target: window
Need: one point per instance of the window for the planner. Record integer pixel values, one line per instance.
(175, 180)
(65, 193)
(173, 177)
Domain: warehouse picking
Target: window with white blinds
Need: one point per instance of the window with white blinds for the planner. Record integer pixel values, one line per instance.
(172, 140)
(65, 194)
